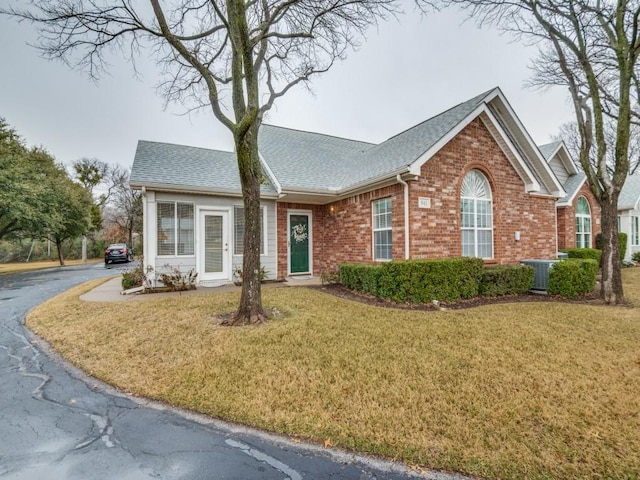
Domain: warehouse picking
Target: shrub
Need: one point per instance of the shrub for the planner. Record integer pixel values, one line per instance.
(133, 278)
(506, 280)
(176, 281)
(636, 257)
(592, 253)
(573, 277)
(622, 241)
(422, 281)
(622, 238)
(360, 276)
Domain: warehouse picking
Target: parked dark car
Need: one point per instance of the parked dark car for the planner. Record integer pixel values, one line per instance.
(118, 252)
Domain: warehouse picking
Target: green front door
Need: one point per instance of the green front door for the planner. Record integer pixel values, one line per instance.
(299, 243)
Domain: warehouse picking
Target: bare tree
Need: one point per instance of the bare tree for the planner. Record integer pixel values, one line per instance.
(124, 208)
(591, 47)
(570, 135)
(248, 52)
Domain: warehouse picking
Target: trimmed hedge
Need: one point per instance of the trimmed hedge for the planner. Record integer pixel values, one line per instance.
(573, 277)
(592, 253)
(506, 280)
(416, 281)
(360, 276)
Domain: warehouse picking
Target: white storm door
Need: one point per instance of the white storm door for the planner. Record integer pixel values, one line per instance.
(214, 246)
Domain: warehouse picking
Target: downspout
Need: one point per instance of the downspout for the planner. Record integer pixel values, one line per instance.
(406, 216)
(557, 232)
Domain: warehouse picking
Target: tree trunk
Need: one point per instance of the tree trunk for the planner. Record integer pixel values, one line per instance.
(250, 310)
(60, 255)
(611, 282)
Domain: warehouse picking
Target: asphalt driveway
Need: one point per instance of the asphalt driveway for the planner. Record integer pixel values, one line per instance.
(58, 423)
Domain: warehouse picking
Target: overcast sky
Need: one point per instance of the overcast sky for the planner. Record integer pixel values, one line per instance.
(407, 71)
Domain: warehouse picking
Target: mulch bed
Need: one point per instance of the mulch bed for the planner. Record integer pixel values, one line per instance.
(343, 292)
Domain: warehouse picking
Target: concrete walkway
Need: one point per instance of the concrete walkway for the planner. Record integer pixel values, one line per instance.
(111, 291)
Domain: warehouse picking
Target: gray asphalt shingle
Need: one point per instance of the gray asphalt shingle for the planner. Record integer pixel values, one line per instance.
(186, 167)
(630, 193)
(311, 161)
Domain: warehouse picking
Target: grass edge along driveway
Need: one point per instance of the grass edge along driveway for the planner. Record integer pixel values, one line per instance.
(530, 390)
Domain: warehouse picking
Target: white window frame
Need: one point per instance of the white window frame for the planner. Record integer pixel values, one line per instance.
(375, 229)
(475, 200)
(175, 229)
(265, 242)
(635, 231)
(580, 223)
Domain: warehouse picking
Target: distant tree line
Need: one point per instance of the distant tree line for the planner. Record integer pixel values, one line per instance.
(41, 201)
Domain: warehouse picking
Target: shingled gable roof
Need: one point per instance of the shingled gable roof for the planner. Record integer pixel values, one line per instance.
(315, 163)
(576, 178)
(630, 194)
(166, 166)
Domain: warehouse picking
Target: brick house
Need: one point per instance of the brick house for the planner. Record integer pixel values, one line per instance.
(578, 211)
(629, 214)
(467, 182)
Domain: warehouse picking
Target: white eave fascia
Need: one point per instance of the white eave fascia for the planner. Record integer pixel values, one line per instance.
(531, 185)
(541, 160)
(334, 194)
(222, 192)
(569, 201)
(416, 166)
(270, 174)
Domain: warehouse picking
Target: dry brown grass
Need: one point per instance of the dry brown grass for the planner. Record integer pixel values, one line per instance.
(24, 267)
(531, 390)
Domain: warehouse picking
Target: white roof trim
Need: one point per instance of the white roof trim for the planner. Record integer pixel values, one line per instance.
(222, 192)
(531, 185)
(416, 166)
(270, 174)
(567, 203)
(558, 191)
(511, 152)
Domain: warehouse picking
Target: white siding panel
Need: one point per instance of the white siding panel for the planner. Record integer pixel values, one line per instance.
(558, 169)
(185, 263)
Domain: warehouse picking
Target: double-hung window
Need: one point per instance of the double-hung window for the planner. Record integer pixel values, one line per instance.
(175, 228)
(476, 209)
(238, 230)
(583, 224)
(382, 244)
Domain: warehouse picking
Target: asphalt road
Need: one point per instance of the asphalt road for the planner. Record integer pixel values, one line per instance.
(58, 423)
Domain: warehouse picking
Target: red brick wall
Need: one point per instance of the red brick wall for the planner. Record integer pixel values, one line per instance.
(342, 231)
(435, 232)
(567, 219)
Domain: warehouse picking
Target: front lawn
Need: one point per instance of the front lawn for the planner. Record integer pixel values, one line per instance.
(528, 390)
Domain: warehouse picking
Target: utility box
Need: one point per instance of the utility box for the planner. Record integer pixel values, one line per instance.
(541, 278)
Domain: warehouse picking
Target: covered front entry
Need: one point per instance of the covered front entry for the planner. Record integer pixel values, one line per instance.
(300, 242)
(213, 251)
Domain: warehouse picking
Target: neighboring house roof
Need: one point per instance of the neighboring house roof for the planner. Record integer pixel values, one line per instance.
(179, 167)
(630, 195)
(549, 149)
(575, 179)
(572, 186)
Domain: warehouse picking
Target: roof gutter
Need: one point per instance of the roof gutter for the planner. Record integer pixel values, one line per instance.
(197, 190)
(406, 215)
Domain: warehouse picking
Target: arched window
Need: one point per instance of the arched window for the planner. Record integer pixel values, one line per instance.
(476, 208)
(583, 223)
